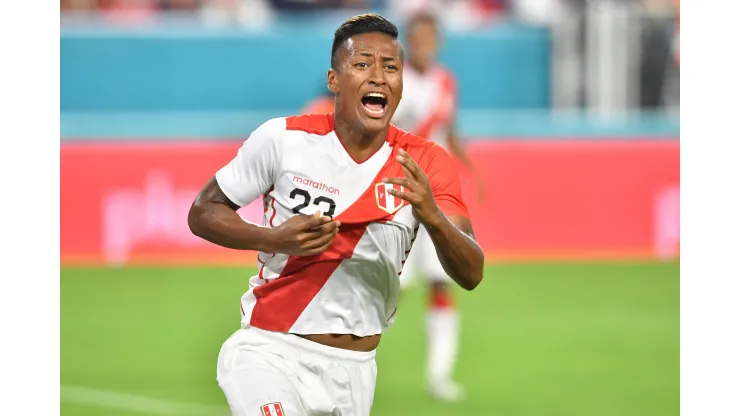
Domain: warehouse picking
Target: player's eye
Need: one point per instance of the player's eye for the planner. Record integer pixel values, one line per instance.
(392, 67)
(361, 65)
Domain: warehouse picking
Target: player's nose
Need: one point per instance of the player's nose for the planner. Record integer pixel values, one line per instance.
(377, 76)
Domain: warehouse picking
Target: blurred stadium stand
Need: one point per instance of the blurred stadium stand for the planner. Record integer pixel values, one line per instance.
(531, 68)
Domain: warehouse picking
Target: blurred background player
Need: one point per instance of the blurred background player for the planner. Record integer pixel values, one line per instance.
(428, 109)
(323, 104)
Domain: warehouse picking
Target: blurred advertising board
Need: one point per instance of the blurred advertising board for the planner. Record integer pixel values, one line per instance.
(127, 202)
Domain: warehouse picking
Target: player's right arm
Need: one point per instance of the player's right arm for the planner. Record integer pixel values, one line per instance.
(245, 178)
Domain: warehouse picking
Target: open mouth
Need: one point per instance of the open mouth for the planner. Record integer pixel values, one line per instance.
(375, 103)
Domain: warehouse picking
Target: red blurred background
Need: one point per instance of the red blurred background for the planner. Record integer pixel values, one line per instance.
(544, 200)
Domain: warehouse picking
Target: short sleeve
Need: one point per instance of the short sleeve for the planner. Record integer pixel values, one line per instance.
(445, 183)
(253, 170)
(403, 117)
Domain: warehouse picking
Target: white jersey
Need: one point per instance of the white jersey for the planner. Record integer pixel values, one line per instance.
(299, 166)
(429, 103)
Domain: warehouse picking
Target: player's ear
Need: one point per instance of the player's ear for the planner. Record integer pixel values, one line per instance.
(333, 81)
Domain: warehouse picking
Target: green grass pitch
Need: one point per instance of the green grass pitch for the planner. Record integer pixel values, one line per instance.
(537, 340)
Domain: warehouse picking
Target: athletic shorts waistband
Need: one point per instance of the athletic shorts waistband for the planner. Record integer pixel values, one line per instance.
(313, 347)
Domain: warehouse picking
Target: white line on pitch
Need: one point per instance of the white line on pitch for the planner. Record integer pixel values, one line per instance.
(141, 404)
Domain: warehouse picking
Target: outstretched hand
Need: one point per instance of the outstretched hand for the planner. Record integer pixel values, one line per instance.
(417, 190)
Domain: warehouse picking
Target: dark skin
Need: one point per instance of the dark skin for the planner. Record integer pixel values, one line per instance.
(213, 217)
(369, 62)
(454, 241)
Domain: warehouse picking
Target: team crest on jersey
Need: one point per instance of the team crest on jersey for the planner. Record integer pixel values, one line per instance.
(272, 409)
(386, 201)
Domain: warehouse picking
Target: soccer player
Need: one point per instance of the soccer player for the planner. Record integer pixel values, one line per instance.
(345, 195)
(322, 104)
(428, 110)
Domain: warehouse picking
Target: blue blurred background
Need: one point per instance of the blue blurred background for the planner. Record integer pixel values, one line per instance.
(525, 68)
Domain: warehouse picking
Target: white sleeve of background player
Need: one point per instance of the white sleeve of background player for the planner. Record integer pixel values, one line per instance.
(402, 116)
(253, 170)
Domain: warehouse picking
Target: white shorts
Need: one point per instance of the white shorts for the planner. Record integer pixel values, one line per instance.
(423, 262)
(266, 373)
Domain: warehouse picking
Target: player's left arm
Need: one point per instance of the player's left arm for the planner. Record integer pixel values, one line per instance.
(440, 209)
